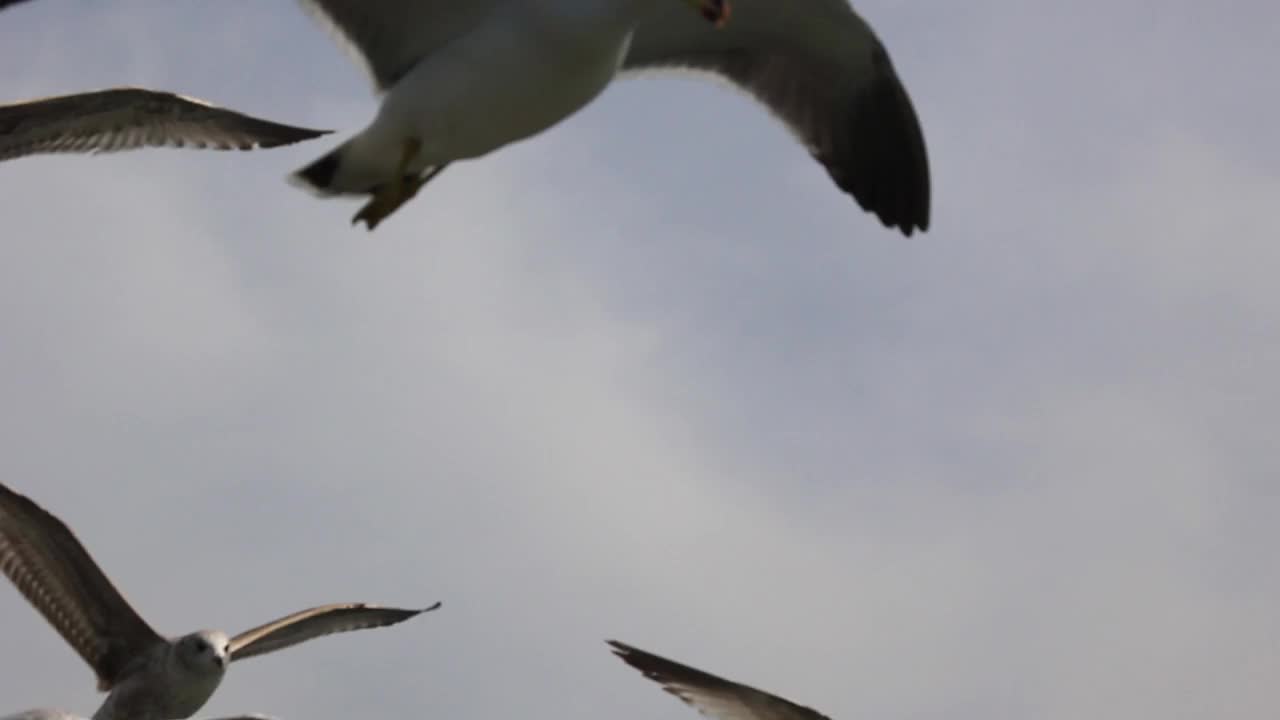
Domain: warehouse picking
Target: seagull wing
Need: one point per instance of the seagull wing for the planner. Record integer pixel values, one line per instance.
(712, 696)
(819, 68)
(41, 713)
(55, 573)
(391, 36)
(316, 622)
(129, 118)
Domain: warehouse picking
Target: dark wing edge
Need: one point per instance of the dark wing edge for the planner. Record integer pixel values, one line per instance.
(53, 571)
(844, 103)
(707, 693)
(317, 622)
(119, 119)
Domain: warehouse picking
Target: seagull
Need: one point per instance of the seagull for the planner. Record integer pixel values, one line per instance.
(127, 118)
(147, 676)
(712, 696)
(462, 78)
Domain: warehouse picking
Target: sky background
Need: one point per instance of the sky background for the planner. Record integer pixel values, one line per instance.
(650, 376)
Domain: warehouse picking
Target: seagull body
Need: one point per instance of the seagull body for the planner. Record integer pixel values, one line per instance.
(712, 696)
(127, 118)
(463, 78)
(488, 73)
(468, 101)
(147, 676)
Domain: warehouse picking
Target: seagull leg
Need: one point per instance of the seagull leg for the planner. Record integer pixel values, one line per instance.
(400, 189)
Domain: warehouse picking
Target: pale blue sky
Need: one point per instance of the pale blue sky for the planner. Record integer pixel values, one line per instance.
(650, 376)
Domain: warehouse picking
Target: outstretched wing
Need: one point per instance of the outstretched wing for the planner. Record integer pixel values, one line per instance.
(820, 69)
(316, 622)
(712, 696)
(129, 118)
(55, 573)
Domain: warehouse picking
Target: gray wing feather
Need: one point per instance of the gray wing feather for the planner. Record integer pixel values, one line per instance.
(42, 557)
(821, 70)
(391, 36)
(316, 622)
(41, 713)
(129, 118)
(710, 695)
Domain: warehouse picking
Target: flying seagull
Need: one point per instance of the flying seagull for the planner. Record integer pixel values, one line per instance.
(461, 78)
(712, 696)
(127, 118)
(147, 676)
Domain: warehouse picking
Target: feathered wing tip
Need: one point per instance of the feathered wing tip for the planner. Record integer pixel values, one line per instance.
(129, 118)
(271, 134)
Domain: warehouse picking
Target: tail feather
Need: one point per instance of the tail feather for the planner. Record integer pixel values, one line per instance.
(344, 172)
(319, 175)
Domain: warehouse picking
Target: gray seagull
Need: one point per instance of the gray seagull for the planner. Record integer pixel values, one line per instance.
(712, 696)
(147, 676)
(127, 118)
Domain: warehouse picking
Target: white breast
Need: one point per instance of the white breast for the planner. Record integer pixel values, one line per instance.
(514, 77)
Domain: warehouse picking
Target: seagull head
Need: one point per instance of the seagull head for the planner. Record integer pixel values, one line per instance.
(205, 651)
(715, 12)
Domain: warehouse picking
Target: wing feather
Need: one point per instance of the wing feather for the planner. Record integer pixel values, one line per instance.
(316, 622)
(710, 695)
(821, 70)
(50, 567)
(129, 118)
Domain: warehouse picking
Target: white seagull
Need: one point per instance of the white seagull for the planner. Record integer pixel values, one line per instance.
(126, 118)
(147, 676)
(712, 696)
(462, 78)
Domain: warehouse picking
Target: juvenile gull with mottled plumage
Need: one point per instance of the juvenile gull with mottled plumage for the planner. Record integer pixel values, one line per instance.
(147, 676)
(127, 118)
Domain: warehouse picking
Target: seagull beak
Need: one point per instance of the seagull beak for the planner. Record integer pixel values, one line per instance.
(715, 12)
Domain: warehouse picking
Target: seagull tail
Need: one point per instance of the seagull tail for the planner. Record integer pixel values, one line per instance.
(319, 176)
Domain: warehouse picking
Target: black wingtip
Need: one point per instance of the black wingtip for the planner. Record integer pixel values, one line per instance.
(887, 172)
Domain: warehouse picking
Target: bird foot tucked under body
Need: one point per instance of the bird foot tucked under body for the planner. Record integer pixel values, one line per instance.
(388, 198)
